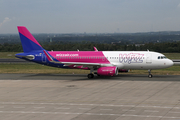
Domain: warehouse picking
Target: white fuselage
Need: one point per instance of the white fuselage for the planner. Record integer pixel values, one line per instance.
(138, 59)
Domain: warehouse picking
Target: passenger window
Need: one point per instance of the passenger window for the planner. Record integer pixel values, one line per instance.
(158, 57)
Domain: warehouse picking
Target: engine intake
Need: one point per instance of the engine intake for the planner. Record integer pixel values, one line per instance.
(107, 71)
(123, 70)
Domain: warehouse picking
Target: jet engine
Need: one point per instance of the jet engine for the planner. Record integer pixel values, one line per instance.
(107, 71)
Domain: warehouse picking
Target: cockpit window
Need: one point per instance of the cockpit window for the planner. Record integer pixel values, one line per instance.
(162, 57)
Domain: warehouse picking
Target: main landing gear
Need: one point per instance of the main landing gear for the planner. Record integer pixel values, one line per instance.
(150, 75)
(90, 75)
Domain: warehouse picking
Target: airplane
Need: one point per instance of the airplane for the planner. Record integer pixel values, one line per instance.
(102, 63)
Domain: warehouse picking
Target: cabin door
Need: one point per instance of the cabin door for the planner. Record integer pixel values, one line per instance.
(148, 58)
(43, 58)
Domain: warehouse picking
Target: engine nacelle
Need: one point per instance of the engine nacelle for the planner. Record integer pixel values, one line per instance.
(108, 71)
(123, 70)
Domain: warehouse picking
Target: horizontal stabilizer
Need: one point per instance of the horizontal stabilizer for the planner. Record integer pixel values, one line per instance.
(30, 57)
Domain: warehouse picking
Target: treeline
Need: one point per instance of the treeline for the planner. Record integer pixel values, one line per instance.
(123, 38)
(166, 47)
(6, 47)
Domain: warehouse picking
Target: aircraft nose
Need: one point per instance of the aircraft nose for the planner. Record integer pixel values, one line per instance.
(170, 63)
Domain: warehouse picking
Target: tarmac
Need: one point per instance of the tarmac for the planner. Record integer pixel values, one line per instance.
(75, 97)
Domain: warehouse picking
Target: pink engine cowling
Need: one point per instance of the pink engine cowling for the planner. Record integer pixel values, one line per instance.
(107, 71)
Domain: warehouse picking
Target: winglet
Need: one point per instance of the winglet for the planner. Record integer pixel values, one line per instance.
(95, 49)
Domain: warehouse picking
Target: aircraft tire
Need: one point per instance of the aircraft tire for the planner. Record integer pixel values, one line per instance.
(90, 76)
(150, 75)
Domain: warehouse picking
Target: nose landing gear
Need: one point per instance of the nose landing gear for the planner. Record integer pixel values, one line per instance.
(150, 75)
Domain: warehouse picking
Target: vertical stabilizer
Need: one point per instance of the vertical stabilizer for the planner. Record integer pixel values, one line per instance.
(29, 43)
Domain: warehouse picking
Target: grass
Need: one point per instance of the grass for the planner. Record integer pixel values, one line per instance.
(172, 55)
(8, 55)
(37, 68)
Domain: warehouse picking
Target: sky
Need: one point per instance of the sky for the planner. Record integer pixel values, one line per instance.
(90, 16)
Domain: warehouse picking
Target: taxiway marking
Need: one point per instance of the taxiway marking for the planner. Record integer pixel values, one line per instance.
(150, 111)
(62, 108)
(75, 104)
(100, 114)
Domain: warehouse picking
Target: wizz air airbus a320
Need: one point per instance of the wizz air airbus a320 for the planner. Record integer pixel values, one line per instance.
(102, 63)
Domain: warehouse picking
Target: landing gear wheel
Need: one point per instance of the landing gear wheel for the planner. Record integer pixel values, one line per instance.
(150, 75)
(90, 75)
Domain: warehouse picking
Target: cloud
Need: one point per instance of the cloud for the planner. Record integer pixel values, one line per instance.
(179, 5)
(6, 19)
